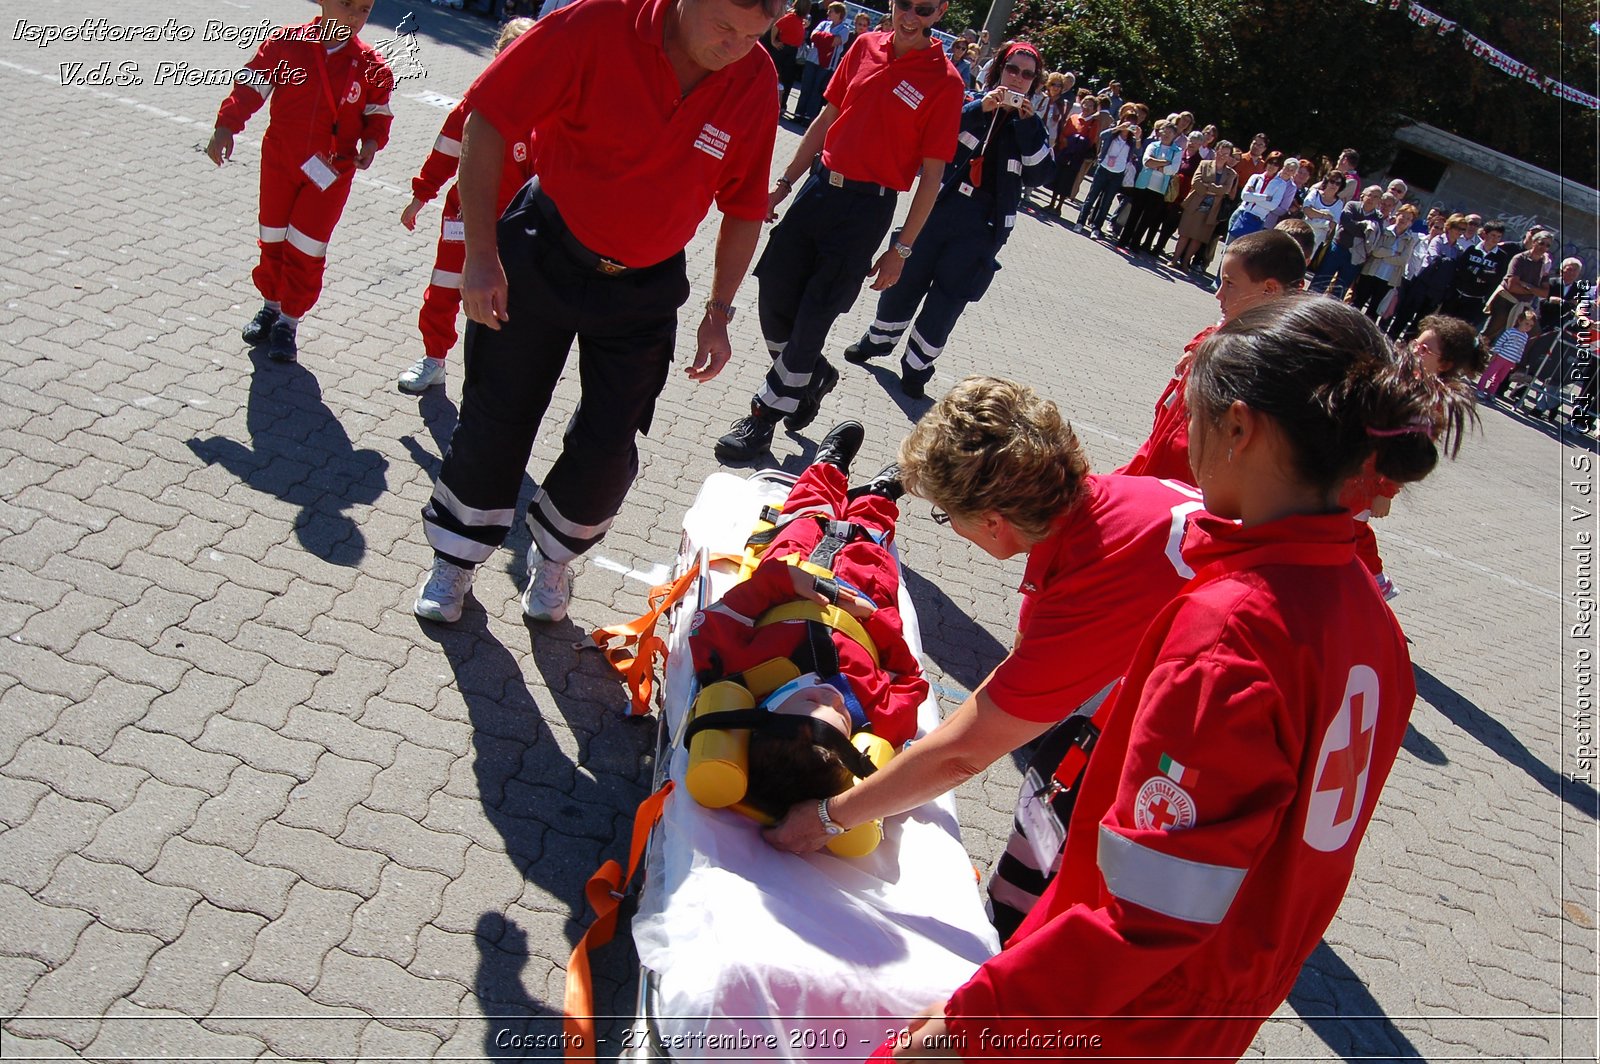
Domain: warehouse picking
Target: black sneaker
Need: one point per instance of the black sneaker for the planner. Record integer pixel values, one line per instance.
(811, 403)
(281, 347)
(839, 446)
(260, 326)
(750, 438)
(886, 483)
(861, 352)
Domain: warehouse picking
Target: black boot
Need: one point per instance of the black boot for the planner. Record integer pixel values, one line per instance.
(260, 326)
(281, 347)
(839, 446)
(860, 352)
(826, 377)
(750, 437)
(886, 483)
(913, 382)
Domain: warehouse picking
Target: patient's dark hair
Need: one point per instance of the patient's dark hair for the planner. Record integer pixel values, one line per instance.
(786, 770)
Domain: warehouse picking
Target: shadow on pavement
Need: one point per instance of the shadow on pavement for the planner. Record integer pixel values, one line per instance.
(961, 646)
(560, 798)
(1498, 738)
(1332, 1000)
(300, 453)
(1422, 748)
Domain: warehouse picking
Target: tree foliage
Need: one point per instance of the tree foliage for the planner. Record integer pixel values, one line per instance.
(1321, 75)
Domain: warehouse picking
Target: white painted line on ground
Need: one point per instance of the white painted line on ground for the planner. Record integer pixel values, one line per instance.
(1435, 552)
(656, 574)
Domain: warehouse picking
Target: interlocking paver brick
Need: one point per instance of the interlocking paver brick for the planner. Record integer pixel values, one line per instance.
(449, 812)
(387, 924)
(214, 655)
(267, 701)
(184, 712)
(234, 817)
(67, 1003)
(76, 773)
(405, 841)
(53, 930)
(171, 760)
(18, 799)
(382, 1042)
(17, 976)
(46, 536)
(128, 661)
(186, 975)
(263, 747)
(349, 687)
(372, 984)
(19, 1047)
(489, 882)
(57, 827)
(405, 786)
(47, 674)
(171, 576)
(316, 858)
(324, 801)
(25, 713)
(226, 879)
(291, 1024)
(134, 836)
(290, 949)
(418, 726)
(94, 724)
(134, 1032)
(340, 734)
(61, 626)
(119, 897)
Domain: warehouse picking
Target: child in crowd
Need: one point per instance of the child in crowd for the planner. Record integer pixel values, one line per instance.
(442, 301)
(1447, 348)
(1507, 354)
(1258, 267)
(330, 115)
(848, 683)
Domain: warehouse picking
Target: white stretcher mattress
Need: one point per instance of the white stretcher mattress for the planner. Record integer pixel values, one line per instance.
(759, 953)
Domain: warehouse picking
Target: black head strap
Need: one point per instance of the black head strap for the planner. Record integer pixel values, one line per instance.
(789, 725)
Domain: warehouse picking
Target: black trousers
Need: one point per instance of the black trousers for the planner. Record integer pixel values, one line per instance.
(625, 326)
(810, 273)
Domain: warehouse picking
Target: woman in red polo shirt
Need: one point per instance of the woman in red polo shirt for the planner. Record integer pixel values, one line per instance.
(1218, 822)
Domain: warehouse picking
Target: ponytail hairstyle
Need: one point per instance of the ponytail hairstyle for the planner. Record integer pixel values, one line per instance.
(510, 32)
(1339, 391)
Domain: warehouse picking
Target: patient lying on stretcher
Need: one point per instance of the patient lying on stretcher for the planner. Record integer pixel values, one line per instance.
(829, 554)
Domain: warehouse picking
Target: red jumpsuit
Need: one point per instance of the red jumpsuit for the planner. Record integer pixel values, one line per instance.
(889, 694)
(1219, 818)
(442, 301)
(323, 104)
(1165, 453)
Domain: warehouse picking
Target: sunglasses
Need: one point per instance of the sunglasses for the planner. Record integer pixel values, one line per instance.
(939, 516)
(922, 10)
(1017, 71)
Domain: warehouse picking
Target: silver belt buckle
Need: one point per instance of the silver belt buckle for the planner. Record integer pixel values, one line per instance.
(835, 179)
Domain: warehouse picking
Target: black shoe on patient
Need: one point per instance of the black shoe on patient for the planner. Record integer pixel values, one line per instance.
(886, 483)
(839, 447)
(260, 326)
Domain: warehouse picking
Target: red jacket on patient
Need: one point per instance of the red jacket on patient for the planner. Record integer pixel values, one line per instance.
(725, 635)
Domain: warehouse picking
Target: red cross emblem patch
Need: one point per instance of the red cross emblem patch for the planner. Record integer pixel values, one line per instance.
(1163, 805)
(1344, 765)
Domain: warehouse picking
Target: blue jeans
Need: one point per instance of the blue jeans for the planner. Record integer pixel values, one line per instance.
(1337, 273)
(1244, 222)
(1102, 191)
(813, 79)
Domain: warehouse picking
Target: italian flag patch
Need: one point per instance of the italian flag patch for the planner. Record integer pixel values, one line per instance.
(1177, 773)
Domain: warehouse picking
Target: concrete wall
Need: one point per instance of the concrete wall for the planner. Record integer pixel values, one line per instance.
(1481, 180)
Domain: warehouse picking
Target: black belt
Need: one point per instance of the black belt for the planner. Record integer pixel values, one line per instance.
(592, 260)
(838, 180)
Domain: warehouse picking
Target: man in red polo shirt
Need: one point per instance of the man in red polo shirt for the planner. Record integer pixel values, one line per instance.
(893, 111)
(643, 113)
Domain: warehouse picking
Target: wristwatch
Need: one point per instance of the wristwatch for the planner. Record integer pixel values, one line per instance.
(827, 821)
(903, 250)
(725, 309)
(783, 179)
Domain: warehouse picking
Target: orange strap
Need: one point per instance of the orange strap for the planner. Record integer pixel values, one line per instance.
(605, 891)
(633, 648)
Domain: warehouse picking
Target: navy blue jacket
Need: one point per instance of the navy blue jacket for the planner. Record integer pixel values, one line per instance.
(1025, 160)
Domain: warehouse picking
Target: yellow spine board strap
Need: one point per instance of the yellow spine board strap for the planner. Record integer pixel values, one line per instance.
(832, 616)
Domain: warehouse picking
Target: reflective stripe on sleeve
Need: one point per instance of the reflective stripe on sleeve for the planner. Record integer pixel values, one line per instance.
(1038, 156)
(377, 109)
(447, 146)
(1172, 886)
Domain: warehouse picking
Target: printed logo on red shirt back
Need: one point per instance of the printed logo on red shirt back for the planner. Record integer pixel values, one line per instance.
(909, 95)
(712, 141)
(1344, 764)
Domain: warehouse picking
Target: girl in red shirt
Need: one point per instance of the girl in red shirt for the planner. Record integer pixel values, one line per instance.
(1218, 822)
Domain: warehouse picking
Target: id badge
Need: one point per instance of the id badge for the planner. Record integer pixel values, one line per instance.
(454, 231)
(1040, 825)
(319, 168)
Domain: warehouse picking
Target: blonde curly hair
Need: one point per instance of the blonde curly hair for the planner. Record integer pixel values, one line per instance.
(995, 446)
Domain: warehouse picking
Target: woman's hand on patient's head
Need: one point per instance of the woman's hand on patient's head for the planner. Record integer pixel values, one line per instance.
(800, 830)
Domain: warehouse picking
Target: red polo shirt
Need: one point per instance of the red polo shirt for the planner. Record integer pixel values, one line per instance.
(893, 113)
(632, 163)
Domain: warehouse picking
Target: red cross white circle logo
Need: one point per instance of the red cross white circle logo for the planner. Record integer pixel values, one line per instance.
(1162, 805)
(1344, 764)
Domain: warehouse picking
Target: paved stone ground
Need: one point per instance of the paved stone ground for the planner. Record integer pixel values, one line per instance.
(250, 808)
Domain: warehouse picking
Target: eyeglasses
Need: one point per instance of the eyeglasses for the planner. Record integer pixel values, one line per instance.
(1019, 72)
(922, 10)
(939, 516)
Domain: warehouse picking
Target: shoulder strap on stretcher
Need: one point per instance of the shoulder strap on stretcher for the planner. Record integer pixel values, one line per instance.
(832, 616)
(633, 647)
(605, 891)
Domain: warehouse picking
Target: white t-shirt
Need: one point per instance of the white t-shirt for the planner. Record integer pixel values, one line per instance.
(1116, 159)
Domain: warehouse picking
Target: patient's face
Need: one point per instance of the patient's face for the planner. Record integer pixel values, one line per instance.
(821, 703)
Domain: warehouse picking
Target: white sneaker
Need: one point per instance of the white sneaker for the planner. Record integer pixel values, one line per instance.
(441, 597)
(422, 376)
(549, 589)
(1387, 588)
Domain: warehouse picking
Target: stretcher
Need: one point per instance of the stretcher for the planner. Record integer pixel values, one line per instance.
(749, 952)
